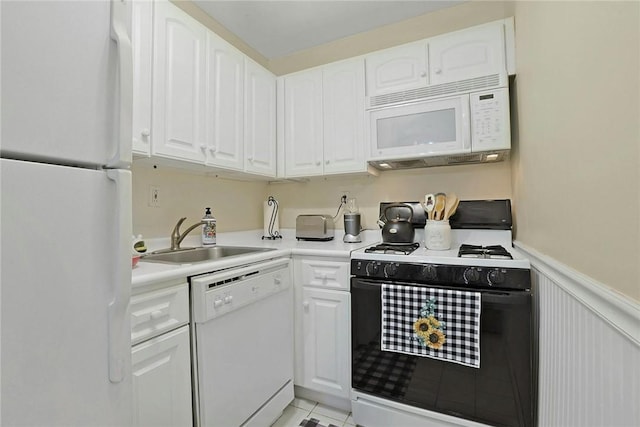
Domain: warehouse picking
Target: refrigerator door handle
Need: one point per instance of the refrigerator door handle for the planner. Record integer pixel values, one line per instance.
(120, 32)
(119, 324)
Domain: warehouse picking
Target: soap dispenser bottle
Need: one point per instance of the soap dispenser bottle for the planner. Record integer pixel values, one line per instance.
(208, 229)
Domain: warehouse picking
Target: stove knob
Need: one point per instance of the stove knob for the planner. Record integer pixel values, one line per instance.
(429, 272)
(372, 268)
(471, 275)
(390, 270)
(495, 277)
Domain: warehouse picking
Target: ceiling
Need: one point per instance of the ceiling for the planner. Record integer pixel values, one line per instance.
(280, 28)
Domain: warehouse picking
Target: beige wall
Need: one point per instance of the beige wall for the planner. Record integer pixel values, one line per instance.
(237, 205)
(322, 195)
(575, 174)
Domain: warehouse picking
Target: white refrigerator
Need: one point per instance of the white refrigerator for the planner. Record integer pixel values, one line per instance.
(66, 75)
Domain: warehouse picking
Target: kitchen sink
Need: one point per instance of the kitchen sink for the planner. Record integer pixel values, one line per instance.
(193, 255)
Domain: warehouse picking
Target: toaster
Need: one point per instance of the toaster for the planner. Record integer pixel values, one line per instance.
(314, 227)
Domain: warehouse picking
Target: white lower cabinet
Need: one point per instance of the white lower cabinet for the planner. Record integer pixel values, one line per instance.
(323, 328)
(161, 357)
(162, 380)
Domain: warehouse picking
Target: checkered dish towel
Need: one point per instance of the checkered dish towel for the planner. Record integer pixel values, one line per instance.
(432, 322)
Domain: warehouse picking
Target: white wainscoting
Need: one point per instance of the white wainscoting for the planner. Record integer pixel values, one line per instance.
(589, 349)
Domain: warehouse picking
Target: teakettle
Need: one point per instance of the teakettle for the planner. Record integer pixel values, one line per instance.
(398, 229)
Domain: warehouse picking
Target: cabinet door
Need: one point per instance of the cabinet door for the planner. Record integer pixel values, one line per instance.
(162, 380)
(179, 83)
(259, 120)
(397, 69)
(225, 83)
(142, 42)
(303, 123)
(466, 54)
(343, 106)
(326, 341)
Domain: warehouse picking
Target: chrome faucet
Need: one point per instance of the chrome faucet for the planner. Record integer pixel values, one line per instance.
(176, 237)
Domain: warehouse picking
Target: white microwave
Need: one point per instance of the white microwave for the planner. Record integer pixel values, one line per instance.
(466, 128)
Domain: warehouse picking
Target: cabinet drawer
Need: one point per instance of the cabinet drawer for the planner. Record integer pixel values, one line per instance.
(154, 313)
(326, 274)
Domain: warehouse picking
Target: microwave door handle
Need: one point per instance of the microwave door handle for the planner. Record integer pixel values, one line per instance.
(466, 123)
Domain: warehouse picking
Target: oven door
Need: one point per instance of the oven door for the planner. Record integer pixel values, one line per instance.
(500, 392)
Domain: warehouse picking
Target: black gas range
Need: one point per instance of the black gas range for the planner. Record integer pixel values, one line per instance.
(394, 288)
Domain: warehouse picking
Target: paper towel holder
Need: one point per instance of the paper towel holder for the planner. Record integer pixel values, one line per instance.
(271, 201)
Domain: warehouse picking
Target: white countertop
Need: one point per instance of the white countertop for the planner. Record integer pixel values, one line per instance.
(146, 273)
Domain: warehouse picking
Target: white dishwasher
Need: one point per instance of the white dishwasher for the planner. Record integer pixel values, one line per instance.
(242, 323)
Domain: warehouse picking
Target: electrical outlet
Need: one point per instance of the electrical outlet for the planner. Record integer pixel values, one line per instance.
(154, 196)
(344, 195)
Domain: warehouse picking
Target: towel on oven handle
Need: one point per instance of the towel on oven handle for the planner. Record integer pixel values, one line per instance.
(438, 323)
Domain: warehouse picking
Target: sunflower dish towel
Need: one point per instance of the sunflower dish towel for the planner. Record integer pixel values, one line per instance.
(432, 322)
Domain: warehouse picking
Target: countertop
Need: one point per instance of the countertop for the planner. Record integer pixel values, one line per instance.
(146, 273)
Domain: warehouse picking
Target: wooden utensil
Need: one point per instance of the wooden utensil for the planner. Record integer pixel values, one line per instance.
(451, 205)
(438, 209)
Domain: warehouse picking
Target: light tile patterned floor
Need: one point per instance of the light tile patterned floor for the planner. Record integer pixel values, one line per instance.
(300, 409)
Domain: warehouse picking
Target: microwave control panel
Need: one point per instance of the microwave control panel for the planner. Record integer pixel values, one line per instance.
(490, 126)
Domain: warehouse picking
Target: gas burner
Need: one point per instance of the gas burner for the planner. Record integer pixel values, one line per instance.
(396, 249)
(475, 251)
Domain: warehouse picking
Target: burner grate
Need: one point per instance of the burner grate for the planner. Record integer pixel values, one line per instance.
(388, 248)
(476, 251)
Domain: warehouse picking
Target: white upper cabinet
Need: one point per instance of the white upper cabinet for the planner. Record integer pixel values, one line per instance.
(259, 120)
(475, 58)
(396, 69)
(343, 113)
(324, 120)
(303, 123)
(207, 108)
(179, 84)
(142, 42)
(225, 96)
(475, 52)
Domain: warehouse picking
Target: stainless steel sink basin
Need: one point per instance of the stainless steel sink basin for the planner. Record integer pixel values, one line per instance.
(193, 255)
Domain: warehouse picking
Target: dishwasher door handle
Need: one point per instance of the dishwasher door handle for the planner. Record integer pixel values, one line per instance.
(220, 292)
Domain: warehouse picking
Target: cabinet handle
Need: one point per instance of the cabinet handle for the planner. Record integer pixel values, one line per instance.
(145, 133)
(423, 74)
(438, 70)
(203, 147)
(305, 305)
(327, 162)
(318, 163)
(250, 159)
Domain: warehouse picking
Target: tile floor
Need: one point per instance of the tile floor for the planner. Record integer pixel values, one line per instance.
(300, 409)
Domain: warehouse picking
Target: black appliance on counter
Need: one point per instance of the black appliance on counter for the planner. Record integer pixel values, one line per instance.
(502, 390)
